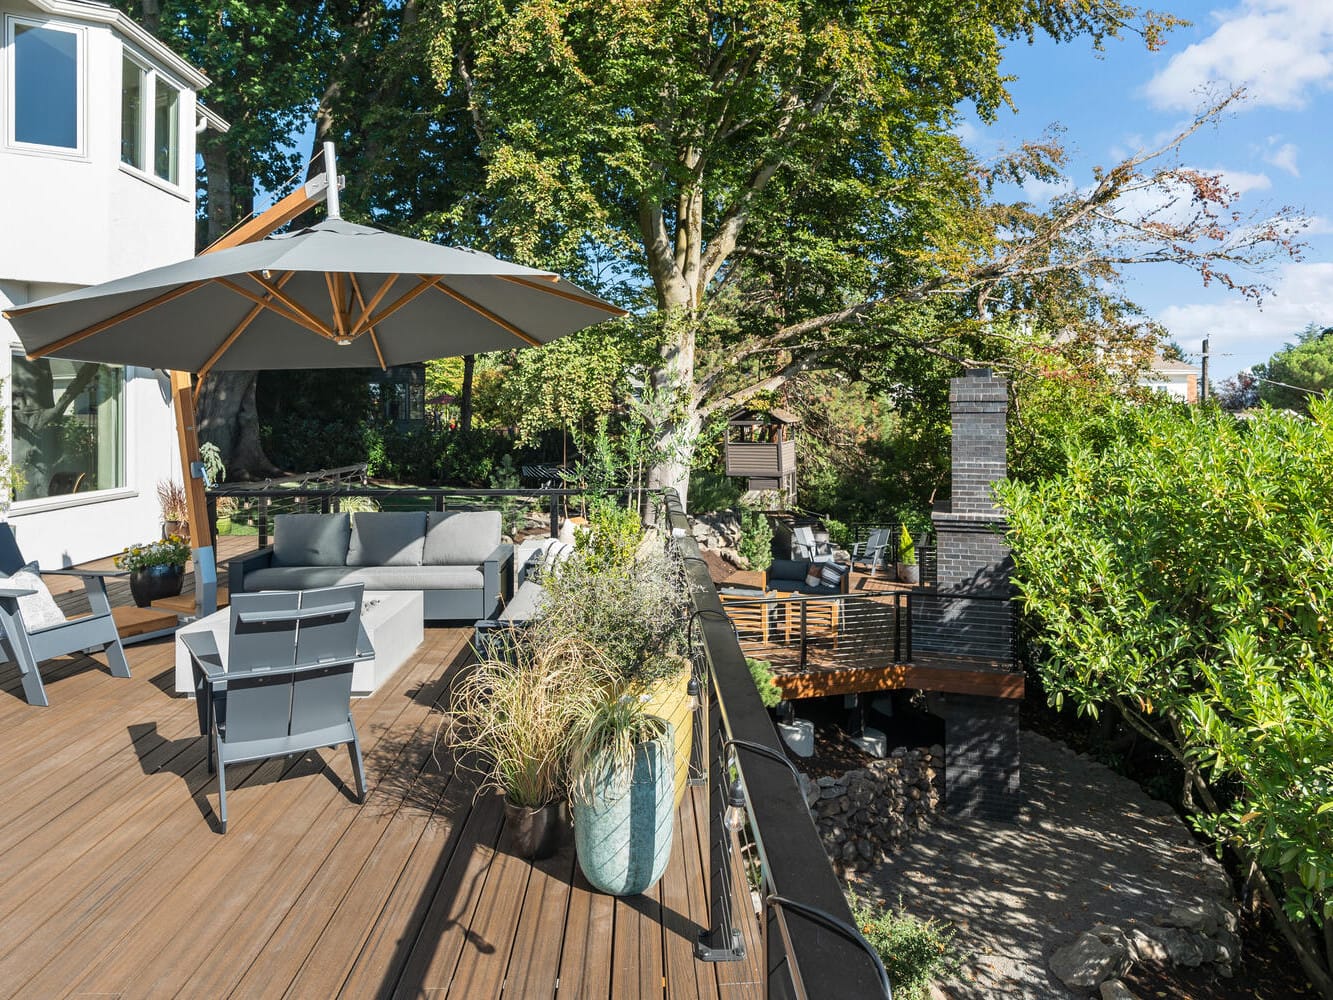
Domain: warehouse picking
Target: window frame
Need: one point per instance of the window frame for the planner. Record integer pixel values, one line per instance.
(148, 124)
(145, 122)
(123, 489)
(10, 104)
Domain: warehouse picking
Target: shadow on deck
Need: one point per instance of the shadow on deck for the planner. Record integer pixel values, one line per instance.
(113, 880)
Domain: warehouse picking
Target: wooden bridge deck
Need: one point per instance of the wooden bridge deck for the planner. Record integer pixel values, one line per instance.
(113, 881)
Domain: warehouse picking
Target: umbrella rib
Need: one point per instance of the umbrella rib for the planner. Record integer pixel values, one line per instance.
(368, 307)
(394, 306)
(292, 304)
(240, 329)
(481, 310)
(580, 299)
(268, 304)
(106, 324)
(374, 340)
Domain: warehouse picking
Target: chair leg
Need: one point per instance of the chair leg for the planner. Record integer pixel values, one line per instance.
(354, 750)
(222, 788)
(16, 645)
(33, 691)
(115, 658)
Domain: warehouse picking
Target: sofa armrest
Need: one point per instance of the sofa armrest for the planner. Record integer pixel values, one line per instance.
(498, 574)
(241, 565)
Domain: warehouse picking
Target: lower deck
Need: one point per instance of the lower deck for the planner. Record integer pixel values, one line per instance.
(113, 881)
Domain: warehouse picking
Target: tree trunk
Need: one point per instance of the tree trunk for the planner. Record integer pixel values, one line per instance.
(227, 414)
(465, 395)
(675, 416)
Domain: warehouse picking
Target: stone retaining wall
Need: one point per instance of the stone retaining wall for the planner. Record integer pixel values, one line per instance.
(868, 812)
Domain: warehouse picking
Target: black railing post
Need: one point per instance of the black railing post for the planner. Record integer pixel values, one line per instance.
(803, 634)
(555, 514)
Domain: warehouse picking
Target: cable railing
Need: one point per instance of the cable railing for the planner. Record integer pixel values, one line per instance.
(759, 824)
(805, 632)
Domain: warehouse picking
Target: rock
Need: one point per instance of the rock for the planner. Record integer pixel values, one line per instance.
(826, 782)
(1088, 961)
(1202, 918)
(1144, 948)
(1182, 947)
(1114, 989)
(810, 790)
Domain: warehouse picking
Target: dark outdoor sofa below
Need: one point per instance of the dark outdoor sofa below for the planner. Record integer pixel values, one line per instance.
(791, 574)
(455, 558)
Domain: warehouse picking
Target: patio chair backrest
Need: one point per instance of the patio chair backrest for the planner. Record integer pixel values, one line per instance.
(11, 559)
(290, 661)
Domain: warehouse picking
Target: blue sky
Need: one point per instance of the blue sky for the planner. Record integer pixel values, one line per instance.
(1276, 150)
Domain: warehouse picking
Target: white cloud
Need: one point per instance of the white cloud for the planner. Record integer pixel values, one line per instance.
(1284, 158)
(1280, 50)
(1241, 333)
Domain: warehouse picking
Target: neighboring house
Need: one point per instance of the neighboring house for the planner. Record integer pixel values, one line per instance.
(97, 180)
(1175, 378)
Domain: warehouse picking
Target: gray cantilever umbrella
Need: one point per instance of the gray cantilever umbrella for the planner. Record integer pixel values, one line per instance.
(334, 295)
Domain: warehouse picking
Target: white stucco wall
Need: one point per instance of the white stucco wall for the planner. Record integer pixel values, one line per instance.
(67, 221)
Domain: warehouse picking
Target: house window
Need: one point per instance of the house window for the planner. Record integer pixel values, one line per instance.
(132, 78)
(69, 426)
(149, 120)
(45, 84)
(166, 130)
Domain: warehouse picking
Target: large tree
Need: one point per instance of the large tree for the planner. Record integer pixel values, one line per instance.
(1299, 373)
(783, 175)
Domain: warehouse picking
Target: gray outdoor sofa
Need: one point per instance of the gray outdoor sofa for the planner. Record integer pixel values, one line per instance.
(455, 558)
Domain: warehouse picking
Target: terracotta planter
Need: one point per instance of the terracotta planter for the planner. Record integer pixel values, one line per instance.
(534, 831)
(623, 834)
(170, 528)
(909, 573)
(154, 582)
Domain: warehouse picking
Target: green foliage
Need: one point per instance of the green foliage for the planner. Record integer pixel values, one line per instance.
(1183, 576)
(211, 455)
(612, 536)
(906, 547)
(170, 551)
(756, 544)
(635, 612)
(915, 952)
(761, 672)
(1299, 372)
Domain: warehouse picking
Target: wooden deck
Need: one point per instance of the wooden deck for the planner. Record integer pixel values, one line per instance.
(114, 883)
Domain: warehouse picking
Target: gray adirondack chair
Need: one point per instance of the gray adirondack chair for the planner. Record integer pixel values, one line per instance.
(285, 684)
(30, 647)
(804, 546)
(871, 553)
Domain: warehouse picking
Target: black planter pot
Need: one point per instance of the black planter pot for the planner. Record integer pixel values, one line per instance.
(534, 830)
(147, 585)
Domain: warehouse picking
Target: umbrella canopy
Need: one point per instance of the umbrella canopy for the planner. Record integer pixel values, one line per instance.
(334, 295)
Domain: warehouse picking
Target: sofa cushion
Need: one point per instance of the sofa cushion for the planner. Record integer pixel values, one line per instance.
(297, 577)
(831, 574)
(525, 604)
(419, 577)
(788, 569)
(461, 537)
(373, 577)
(392, 539)
(311, 539)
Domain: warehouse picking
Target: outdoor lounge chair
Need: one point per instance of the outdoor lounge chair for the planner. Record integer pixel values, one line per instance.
(870, 554)
(285, 685)
(805, 546)
(35, 641)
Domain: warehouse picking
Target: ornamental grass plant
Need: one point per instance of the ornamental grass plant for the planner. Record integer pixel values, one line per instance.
(515, 716)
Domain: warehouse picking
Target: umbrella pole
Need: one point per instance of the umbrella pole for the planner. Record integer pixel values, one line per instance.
(196, 504)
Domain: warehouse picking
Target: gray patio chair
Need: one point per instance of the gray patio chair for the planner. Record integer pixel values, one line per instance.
(30, 646)
(871, 553)
(285, 684)
(804, 546)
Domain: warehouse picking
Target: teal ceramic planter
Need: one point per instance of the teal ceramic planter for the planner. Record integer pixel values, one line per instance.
(622, 835)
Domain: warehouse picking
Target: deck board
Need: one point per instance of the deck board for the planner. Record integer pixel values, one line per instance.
(114, 881)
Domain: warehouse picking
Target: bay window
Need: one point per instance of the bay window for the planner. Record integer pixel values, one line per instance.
(149, 121)
(45, 77)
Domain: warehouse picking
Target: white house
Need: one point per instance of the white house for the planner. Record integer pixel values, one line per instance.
(1175, 378)
(97, 180)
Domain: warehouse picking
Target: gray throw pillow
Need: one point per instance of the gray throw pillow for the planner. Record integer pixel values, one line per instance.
(38, 610)
(392, 539)
(311, 539)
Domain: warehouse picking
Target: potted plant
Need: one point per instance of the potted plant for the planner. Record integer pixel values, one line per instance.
(908, 570)
(513, 721)
(171, 499)
(623, 794)
(634, 613)
(157, 569)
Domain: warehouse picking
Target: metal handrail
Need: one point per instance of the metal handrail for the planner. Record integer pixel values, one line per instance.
(791, 854)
